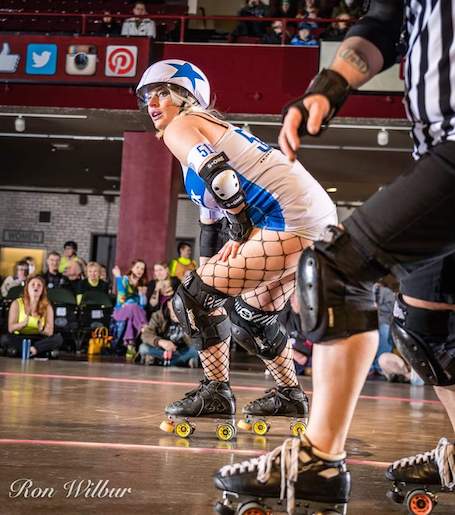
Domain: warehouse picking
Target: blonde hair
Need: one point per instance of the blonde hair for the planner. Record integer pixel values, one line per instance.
(188, 105)
(93, 264)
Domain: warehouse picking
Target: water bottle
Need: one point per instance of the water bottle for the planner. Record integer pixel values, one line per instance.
(26, 344)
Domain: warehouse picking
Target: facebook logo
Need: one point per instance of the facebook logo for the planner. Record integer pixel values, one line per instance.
(41, 59)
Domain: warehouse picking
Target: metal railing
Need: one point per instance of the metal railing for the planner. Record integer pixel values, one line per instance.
(183, 20)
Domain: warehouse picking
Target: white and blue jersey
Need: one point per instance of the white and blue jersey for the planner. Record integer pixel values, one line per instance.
(280, 195)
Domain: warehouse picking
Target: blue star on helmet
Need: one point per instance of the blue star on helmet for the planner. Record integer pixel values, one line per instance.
(185, 70)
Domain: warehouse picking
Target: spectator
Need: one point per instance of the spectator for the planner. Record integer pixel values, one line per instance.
(103, 274)
(394, 368)
(283, 9)
(17, 279)
(338, 29)
(73, 275)
(274, 34)
(304, 37)
(385, 299)
(301, 345)
(251, 28)
(109, 26)
(353, 8)
(163, 340)
(131, 301)
(53, 278)
(311, 9)
(69, 255)
(32, 316)
(139, 26)
(31, 264)
(162, 287)
(93, 281)
(180, 266)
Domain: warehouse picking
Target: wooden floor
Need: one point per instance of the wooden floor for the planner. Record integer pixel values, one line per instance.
(66, 422)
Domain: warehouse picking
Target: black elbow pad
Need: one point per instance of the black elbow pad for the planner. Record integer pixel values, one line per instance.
(381, 26)
(222, 182)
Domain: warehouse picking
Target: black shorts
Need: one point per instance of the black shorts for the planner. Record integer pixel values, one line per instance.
(434, 282)
(410, 223)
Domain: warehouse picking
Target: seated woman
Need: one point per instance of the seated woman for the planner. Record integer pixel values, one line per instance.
(131, 301)
(17, 279)
(162, 287)
(164, 340)
(31, 316)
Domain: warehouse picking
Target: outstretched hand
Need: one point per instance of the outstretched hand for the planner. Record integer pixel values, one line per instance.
(318, 108)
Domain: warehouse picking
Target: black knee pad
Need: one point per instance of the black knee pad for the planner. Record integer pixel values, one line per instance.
(335, 288)
(257, 331)
(426, 340)
(192, 304)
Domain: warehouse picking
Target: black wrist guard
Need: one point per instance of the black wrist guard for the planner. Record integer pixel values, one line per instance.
(328, 83)
(239, 226)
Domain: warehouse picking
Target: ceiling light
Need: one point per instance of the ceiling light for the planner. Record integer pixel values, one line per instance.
(19, 124)
(331, 190)
(61, 146)
(383, 138)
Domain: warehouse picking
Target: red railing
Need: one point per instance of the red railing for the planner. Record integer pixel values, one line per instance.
(182, 19)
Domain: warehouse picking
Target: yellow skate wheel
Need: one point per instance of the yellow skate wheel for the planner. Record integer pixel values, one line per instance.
(167, 427)
(183, 429)
(260, 427)
(225, 432)
(244, 424)
(298, 428)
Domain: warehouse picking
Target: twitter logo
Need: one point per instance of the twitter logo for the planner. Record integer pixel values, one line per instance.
(41, 59)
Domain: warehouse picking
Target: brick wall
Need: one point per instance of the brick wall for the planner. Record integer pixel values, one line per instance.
(72, 221)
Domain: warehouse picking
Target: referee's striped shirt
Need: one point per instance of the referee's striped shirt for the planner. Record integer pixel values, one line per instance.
(430, 78)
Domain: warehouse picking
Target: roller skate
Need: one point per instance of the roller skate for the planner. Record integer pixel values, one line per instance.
(211, 399)
(417, 478)
(281, 401)
(294, 477)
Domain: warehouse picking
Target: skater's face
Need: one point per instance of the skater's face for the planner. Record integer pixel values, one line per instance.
(160, 107)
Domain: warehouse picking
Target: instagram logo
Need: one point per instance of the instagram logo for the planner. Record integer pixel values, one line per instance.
(121, 61)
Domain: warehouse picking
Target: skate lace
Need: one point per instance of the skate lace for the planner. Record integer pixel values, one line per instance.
(444, 457)
(286, 455)
(195, 391)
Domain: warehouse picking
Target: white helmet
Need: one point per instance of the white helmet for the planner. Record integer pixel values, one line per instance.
(178, 72)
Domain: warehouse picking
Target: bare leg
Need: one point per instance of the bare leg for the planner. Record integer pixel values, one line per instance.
(446, 395)
(340, 369)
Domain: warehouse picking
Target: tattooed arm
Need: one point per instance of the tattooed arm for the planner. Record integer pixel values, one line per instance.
(369, 47)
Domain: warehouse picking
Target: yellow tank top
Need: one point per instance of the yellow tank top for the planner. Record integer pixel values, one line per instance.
(32, 325)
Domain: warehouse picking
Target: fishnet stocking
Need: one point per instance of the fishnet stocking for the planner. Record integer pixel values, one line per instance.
(263, 272)
(282, 367)
(266, 258)
(215, 361)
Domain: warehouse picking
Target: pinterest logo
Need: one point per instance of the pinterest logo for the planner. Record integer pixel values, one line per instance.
(121, 61)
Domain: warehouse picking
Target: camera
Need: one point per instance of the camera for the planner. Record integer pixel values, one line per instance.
(81, 60)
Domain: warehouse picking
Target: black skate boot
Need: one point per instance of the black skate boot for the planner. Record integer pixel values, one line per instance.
(212, 399)
(295, 471)
(435, 468)
(281, 401)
